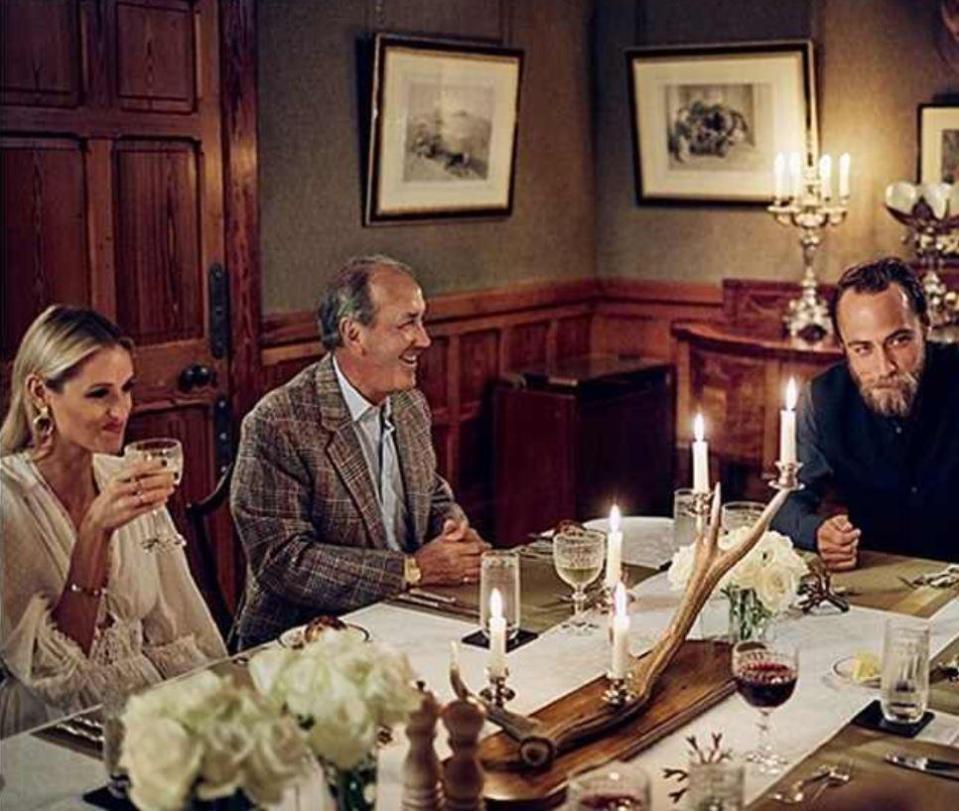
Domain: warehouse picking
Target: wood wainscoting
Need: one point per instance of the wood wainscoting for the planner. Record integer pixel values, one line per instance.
(481, 336)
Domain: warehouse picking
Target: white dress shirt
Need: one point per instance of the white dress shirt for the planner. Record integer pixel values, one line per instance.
(375, 431)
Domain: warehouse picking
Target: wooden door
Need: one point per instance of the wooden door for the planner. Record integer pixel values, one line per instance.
(113, 198)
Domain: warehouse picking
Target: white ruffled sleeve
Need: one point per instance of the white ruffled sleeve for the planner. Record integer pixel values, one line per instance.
(179, 633)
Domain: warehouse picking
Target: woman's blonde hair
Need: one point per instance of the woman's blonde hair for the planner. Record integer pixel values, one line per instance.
(53, 348)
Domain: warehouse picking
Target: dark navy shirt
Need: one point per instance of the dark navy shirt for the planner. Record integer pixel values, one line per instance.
(898, 478)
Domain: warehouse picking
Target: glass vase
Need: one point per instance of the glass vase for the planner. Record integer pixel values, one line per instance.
(748, 617)
(353, 789)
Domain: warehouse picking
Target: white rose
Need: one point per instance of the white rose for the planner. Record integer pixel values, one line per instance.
(776, 587)
(278, 757)
(162, 760)
(266, 666)
(746, 573)
(681, 567)
(226, 745)
(343, 731)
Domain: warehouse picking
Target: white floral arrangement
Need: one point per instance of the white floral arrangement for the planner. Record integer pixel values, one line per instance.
(205, 737)
(772, 569)
(341, 689)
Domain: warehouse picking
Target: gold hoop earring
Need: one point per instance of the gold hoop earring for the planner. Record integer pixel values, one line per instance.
(43, 423)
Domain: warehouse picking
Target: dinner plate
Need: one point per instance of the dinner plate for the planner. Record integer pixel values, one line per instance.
(843, 669)
(293, 637)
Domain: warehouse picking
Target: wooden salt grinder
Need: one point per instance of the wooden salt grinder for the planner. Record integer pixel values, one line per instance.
(463, 773)
(421, 769)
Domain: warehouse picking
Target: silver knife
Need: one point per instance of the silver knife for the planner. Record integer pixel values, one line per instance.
(940, 768)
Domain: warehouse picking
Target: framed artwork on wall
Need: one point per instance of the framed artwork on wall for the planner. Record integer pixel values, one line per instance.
(708, 121)
(939, 143)
(443, 130)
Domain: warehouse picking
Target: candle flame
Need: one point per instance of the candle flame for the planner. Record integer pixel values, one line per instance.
(792, 394)
(699, 428)
(619, 600)
(495, 605)
(615, 519)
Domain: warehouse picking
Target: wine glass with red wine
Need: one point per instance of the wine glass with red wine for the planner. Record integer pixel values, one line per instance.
(766, 674)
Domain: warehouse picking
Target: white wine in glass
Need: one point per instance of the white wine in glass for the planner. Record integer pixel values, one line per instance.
(578, 556)
(169, 452)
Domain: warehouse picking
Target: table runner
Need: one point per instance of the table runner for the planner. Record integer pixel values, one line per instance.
(866, 750)
(878, 583)
(543, 595)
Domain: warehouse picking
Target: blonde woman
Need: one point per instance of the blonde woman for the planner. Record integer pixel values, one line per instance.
(85, 606)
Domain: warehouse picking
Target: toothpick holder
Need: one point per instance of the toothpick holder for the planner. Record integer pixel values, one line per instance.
(788, 476)
(618, 692)
(497, 691)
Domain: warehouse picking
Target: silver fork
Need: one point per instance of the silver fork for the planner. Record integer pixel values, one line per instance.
(838, 776)
(795, 794)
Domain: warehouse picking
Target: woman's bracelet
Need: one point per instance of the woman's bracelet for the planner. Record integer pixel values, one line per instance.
(76, 588)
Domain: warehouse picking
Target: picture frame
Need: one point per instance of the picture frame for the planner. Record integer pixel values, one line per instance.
(444, 120)
(708, 121)
(938, 143)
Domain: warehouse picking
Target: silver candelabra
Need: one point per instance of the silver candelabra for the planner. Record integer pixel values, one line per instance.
(811, 210)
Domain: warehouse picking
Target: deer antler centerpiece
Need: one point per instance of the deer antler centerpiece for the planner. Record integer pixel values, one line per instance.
(539, 743)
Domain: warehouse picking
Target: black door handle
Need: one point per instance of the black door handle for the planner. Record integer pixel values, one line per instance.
(196, 376)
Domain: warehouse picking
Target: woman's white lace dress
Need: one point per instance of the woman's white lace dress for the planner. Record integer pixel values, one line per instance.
(153, 623)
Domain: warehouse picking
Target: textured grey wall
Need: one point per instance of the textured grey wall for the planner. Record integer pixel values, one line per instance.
(575, 212)
(310, 161)
(876, 62)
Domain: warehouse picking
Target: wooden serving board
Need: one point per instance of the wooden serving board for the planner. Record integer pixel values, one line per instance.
(699, 677)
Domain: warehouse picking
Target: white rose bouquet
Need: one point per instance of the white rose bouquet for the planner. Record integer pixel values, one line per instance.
(341, 689)
(765, 581)
(205, 738)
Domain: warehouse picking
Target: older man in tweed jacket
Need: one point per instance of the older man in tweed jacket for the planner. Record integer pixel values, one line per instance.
(335, 495)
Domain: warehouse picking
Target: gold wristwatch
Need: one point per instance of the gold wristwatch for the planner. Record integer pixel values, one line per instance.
(411, 572)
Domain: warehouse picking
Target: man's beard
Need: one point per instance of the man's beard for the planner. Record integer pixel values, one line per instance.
(891, 396)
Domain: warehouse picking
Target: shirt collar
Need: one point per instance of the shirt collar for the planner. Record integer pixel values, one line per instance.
(357, 404)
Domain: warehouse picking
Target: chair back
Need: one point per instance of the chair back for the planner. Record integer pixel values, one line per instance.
(205, 568)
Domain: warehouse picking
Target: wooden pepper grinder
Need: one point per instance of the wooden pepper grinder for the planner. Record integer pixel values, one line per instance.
(421, 769)
(463, 772)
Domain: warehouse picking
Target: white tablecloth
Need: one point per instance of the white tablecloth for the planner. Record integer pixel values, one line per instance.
(43, 775)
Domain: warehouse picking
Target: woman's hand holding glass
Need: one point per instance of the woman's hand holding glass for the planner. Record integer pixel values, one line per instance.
(141, 487)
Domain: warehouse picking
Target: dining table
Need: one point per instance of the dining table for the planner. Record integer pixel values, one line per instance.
(45, 768)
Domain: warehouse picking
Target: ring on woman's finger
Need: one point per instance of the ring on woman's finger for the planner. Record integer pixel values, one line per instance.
(139, 495)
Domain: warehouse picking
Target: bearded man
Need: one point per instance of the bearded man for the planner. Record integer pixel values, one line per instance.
(880, 430)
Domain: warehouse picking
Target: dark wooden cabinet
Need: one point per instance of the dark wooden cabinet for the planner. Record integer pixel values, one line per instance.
(575, 437)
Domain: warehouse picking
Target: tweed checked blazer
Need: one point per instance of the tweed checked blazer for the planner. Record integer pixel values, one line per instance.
(305, 507)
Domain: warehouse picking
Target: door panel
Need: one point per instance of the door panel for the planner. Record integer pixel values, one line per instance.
(159, 292)
(45, 237)
(156, 59)
(41, 52)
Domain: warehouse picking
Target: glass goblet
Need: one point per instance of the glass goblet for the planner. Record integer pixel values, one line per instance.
(578, 556)
(766, 675)
(169, 452)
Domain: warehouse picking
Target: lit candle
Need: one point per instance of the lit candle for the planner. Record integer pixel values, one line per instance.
(700, 456)
(620, 664)
(844, 164)
(614, 549)
(825, 176)
(787, 425)
(497, 636)
(779, 171)
(795, 173)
